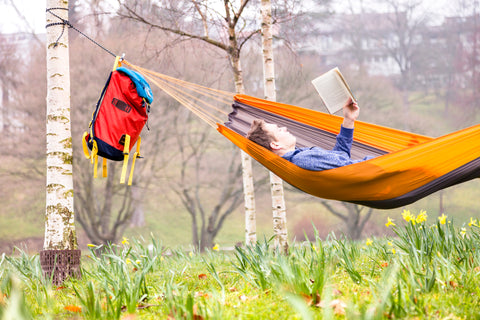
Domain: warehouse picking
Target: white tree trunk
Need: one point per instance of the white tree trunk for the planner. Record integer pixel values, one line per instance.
(247, 172)
(276, 184)
(59, 217)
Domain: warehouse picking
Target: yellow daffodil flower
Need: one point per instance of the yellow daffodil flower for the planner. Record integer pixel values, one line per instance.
(128, 261)
(138, 261)
(191, 254)
(393, 250)
(442, 219)
(407, 216)
(463, 232)
(389, 223)
(473, 222)
(215, 247)
(369, 242)
(91, 245)
(422, 217)
(125, 241)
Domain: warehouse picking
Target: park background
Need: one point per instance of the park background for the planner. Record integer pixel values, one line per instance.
(411, 67)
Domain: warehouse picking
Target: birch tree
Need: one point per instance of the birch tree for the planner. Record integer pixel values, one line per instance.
(60, 255)
(276, 184)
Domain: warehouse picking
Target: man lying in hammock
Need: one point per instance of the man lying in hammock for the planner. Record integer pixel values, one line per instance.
(281, 142)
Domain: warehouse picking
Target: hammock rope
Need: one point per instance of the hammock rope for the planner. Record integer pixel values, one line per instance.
(183, 92)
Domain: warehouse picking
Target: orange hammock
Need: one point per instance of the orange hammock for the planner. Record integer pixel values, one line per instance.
(408, 166)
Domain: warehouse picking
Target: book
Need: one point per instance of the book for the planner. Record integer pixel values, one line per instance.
(333, 89)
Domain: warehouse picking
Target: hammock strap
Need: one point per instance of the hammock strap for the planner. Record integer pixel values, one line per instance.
(177, 90)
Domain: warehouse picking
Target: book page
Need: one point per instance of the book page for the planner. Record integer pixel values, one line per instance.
(333, 89)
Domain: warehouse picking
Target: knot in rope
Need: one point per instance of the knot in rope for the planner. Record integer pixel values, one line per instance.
(64, 23)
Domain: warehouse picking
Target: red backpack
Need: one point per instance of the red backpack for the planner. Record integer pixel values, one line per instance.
(120, 115)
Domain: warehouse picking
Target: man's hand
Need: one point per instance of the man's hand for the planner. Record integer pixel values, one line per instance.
(351, 110)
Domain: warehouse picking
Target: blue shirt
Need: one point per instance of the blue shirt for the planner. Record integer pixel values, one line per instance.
(317, 159)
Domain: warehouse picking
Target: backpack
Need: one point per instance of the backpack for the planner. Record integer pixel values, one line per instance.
(119, 117)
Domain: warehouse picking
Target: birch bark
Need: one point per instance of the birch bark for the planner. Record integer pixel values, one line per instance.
(276, 184)
(59, 216)
(247, 172)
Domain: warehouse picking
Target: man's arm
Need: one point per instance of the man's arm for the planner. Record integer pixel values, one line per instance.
(351, 110)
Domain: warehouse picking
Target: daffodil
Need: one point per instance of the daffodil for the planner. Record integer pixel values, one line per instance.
(392, 250)
(422, 216)
(463, 232)
(442, 219)
(390, 243)
(389, 223)
(215, 247)
(138, 261)
(191, 254)
(407, 216)
(125, 241)
(473, 222)
(369, 242)
(128, 261)
(91, 245)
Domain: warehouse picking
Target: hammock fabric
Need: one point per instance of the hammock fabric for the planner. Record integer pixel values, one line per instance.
(407, 168)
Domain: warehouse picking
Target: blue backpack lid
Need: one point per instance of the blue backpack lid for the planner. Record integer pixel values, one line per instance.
(143, 88)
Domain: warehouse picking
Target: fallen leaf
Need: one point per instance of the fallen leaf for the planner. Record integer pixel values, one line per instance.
(338, 306)
(201, 294)
(73, 308)
(196, 316)
(308, 299)
(202, 276)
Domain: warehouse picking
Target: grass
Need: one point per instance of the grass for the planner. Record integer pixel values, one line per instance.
(429, 270)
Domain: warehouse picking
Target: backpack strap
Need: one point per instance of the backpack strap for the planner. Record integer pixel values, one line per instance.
(135, 156)
(126, 152)
(95, 165)
(86, 151)
(104, 168)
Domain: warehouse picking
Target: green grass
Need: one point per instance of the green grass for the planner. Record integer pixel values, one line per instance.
(429, 270)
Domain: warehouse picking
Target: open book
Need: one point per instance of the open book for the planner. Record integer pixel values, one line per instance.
(333, 89)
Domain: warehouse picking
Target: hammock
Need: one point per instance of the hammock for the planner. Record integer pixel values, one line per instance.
(407, 168)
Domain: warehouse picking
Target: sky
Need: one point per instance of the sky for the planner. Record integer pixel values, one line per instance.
(34, 12)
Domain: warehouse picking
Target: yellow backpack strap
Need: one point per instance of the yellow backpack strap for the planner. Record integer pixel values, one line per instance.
(94, 151)
(104, 166)
(95, 165)
(126, 151)
(135, 156)
(86, 152)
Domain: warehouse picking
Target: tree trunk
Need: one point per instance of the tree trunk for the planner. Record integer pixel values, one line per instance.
(60, 255)
(247, 173)
(276, 184)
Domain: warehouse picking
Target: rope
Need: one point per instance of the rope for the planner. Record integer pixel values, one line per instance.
(177, 89)
(64, 23)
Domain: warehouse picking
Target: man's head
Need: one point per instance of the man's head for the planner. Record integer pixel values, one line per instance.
(271, 136)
